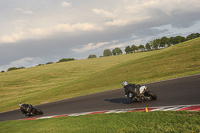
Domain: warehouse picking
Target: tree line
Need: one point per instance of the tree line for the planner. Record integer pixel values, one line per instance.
(152, 45)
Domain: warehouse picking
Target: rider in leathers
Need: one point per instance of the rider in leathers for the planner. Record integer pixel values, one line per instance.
(130, 88)
(26, 109)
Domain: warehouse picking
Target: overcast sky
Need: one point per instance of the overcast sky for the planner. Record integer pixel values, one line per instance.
(35, 32)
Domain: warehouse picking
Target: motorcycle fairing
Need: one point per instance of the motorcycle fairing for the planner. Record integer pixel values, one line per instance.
(142, 88)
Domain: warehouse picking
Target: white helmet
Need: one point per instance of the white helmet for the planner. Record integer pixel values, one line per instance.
(20, 104)
(124, 84)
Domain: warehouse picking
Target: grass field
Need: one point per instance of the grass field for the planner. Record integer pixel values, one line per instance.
(58, 81)
(140, 122)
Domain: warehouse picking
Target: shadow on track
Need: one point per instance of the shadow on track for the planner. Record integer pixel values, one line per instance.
(119, 100)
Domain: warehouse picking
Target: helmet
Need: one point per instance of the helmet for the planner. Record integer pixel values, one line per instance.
(20, 104)
(124, 84)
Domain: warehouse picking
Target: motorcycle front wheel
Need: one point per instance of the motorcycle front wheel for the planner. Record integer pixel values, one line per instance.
(38, 112)
(151, 94)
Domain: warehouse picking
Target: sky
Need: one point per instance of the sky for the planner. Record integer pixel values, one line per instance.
(35, 32)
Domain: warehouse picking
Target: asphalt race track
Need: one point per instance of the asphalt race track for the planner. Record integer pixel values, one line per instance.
(181, 91)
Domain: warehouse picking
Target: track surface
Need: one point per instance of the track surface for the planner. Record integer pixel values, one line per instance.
(181, 91)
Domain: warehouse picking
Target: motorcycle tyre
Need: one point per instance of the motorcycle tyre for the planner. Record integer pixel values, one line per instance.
(38, 112)
(151, 94)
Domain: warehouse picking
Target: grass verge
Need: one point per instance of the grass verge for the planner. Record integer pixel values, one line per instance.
(158, 121)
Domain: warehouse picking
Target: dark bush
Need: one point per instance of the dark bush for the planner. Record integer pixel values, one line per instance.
(15, 68)
(49, 63)
(2, 71)
(66, 59)
(92, 56)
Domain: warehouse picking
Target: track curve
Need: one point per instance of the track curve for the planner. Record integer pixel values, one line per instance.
(180, 91)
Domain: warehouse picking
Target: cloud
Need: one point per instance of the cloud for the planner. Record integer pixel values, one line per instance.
(130, 14)
(104, 13)
(12, 38)
(38, 33)
(116, 46)
(134, 12)
(23, 11)
(76, 27)
(90, 46)
(66, 4)
(117, 22)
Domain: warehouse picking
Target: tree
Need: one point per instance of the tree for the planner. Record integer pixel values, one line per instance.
(164, 41)
(92, 56)
(128, 50)
(107, 52)
(141, 48)
(171, 41)
(134, 48)
(189, 37)
(192, 36)
(154, 44)
(117, 51)
(197, 34)
(179, 39)
(148, 46)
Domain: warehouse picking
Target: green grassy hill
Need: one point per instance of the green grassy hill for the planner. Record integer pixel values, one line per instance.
(58, 81)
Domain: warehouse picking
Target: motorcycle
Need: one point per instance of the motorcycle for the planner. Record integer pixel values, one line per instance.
(31, 111)
(36, 111)
(141, 94)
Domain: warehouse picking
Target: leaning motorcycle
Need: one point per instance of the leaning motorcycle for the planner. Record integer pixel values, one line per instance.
(36, 111)
(32, 111)
(141, 94)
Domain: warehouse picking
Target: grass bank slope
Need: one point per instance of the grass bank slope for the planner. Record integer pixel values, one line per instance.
(58, 81)
(139, 122)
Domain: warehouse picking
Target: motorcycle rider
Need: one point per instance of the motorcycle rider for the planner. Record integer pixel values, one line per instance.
(26, 109)
(133, 90)
(130, 89)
